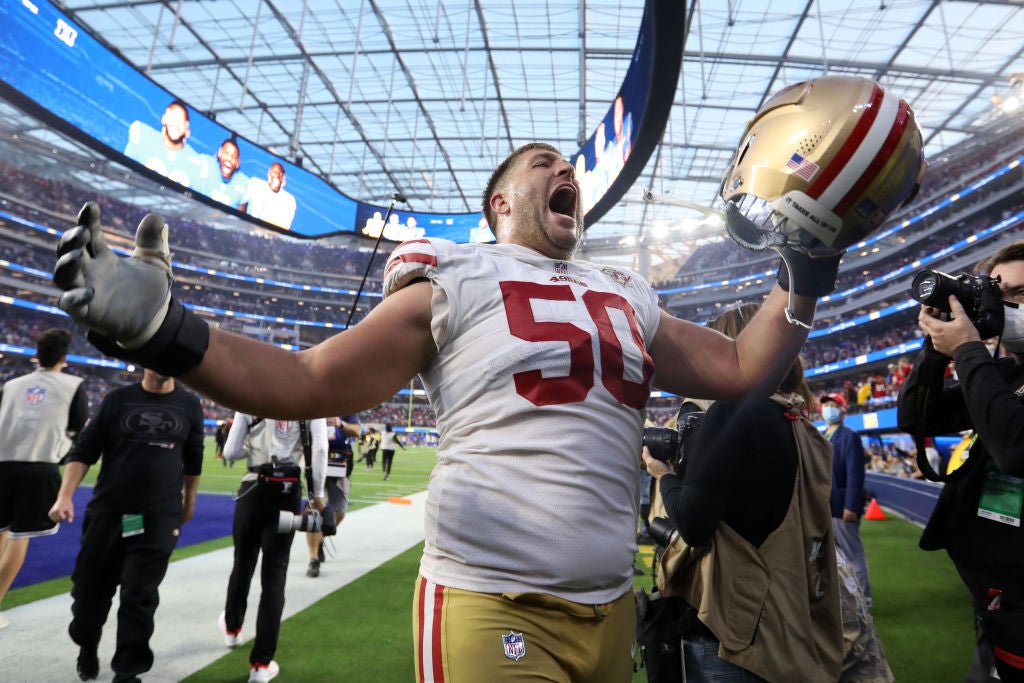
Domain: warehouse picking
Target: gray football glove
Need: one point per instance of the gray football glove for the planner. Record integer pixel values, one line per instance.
(122, 298)
(126, 302)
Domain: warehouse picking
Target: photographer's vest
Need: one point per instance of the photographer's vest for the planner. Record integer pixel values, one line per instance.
(271, 439)
(774, 609)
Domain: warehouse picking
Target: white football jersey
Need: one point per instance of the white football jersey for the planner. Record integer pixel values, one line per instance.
(539, 387)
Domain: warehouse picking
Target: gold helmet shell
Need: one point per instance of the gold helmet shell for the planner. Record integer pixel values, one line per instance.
(828, 159)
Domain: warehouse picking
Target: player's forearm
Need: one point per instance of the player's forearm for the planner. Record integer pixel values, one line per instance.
(352, 371)
(235, 368)
(769, 345)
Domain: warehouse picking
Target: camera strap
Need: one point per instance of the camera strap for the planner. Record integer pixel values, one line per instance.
(926, 467)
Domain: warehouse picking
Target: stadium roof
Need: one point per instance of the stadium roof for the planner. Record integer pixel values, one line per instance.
(423, 96)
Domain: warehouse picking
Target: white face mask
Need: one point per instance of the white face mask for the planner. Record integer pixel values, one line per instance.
(1013, 328)
(830, 413)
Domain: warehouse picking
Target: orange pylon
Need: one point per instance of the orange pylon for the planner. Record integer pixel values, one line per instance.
(874, 511)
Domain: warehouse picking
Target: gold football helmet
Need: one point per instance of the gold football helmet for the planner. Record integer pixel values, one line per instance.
(821, 164)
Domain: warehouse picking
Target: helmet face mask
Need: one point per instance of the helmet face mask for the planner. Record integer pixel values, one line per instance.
(827, 160)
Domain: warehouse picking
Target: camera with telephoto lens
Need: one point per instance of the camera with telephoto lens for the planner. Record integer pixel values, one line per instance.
(978, 294)
(669, 445)
(310, 520)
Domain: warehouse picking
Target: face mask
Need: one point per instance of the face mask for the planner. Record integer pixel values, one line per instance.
(1013, 328)
(830, 413)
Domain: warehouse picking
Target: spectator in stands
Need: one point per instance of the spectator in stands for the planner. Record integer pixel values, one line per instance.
(39, 413)
(977, 518)
(847, 499)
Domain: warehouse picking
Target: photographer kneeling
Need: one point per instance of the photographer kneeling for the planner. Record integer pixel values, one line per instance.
(977, 518)
(752, 503)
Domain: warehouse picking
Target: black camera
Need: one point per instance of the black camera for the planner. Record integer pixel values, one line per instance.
(669, 445)
(979, 295)
(309, 520)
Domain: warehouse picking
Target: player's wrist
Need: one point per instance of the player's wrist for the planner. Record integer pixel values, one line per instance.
(807, 275)
(178, 345)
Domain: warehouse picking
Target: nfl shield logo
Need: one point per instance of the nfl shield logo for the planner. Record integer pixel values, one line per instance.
(515, 645)
(35, 395)
(561, 268)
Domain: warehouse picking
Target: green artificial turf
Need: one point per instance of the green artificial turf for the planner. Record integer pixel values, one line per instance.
(362, 632)
(921, 608)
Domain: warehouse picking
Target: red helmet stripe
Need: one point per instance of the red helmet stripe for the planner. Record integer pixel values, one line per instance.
(850, 146)
(899, 127)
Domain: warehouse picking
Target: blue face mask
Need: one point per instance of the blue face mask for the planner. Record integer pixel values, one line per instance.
(830, 413)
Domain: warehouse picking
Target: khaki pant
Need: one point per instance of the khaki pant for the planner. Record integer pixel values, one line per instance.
(467, 637)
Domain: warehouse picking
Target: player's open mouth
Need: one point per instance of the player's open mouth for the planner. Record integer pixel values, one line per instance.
(563, 201)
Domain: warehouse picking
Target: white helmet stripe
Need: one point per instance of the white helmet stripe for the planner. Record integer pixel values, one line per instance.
(865, 153)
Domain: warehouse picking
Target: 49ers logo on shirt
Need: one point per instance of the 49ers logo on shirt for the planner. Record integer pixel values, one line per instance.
(148, 422)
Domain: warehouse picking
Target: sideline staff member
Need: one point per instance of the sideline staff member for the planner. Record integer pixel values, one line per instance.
(150, 437)
(977, 518)
(39, 412)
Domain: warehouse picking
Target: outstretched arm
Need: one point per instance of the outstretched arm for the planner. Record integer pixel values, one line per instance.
(352, 371)
(694, 361)
(127, 305)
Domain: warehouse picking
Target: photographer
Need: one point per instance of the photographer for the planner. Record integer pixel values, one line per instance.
(977, 516)
(275, 451)
(752, 504)
(341, 432)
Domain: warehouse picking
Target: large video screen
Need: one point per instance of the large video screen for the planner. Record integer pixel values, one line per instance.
(69, 79)
(61, 74)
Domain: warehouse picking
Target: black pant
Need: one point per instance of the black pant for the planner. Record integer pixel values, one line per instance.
(385, 461)
(1001, 627)
(138, 564)
(255, 529)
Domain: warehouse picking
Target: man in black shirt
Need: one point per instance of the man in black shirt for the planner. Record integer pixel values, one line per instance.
(150, 436)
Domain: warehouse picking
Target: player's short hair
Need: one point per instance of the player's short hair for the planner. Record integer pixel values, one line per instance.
(499, 174)
(51, 346)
